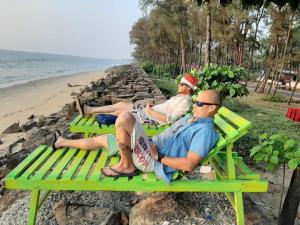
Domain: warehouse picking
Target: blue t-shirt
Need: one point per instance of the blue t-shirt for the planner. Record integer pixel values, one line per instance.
(183, 136)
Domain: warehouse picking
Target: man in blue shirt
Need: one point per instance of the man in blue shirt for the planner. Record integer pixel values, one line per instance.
(180, 147)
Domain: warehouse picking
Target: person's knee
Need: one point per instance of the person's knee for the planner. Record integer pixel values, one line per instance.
(125, 118)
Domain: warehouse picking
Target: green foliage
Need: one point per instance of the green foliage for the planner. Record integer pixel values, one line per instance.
(168, 87)
(225, 79)
(276, 98)
(147, 66)
(275, 150)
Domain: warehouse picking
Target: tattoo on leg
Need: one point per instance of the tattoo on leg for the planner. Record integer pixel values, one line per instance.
(123, 147)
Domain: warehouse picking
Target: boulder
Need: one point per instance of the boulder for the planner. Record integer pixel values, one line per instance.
(31, 117)
(164, 209)
(28, 125)
(14, 128)
(67, 214)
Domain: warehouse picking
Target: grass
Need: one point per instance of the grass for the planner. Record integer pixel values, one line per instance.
(266, 117)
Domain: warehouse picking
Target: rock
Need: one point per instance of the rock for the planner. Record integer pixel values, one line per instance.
(163, 207)
(1, 142)
(14, 128)
(9, 197)
(84, 214)
(49, 121)
(12, 160)
(31, 117)
(16, 146)
(3, 172)
(74, 93)
(28, 125)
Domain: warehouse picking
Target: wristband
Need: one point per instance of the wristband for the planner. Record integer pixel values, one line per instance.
(160, 157)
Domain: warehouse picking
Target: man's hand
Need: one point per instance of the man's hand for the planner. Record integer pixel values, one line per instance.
(154, 152)
(148, 108)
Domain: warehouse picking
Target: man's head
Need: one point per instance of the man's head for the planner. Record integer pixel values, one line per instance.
(187, 84)
(207, 103)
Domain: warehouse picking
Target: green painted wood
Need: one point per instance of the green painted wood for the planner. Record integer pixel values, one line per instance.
(234, 118)
(74, 165)
(33, 207)
(27, 162)
(225, 127)
(96, 173)
(37, 164)
(143, 186)
(39, 174)
(57, 171)
(76, 120)
(239, 208)
(85, 169)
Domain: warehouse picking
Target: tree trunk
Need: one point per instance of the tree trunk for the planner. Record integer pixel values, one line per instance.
(291, 201)
(262, 90)
(284, 53)
(208, 35)
(276, 65)
(295, 87)
(200, 55)
(252, 47)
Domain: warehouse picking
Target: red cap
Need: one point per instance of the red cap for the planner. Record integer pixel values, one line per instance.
(189, 80)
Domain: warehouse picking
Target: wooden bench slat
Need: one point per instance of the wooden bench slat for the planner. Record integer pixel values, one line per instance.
(89, 121)
(96, 173)
(37, 164)
(76, 120)
(49, 163)
(234, 118)
(62, 164)
(230, 132)
(84, 171)
(27, 162)
(74, 165)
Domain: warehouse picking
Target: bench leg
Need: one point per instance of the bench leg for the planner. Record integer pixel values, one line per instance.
(239, 208)
(33, 208)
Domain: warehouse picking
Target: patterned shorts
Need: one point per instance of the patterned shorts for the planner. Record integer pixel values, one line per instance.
(140, 115)
(140, 145)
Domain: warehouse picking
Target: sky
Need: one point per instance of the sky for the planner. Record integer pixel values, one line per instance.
(91, 28)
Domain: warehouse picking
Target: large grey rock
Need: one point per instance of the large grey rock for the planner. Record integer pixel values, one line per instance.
(28, 125)
(164, 209)
(68, 214)
(14, 128)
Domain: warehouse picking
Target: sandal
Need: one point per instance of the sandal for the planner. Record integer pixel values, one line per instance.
(119, 173)
(79, 106)
(57, 134)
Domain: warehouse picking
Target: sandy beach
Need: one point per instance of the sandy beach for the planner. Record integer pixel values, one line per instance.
(40, 97)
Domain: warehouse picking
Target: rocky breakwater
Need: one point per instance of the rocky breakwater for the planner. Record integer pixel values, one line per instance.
(123, 83)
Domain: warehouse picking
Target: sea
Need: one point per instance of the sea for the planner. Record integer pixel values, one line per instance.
(17, 67)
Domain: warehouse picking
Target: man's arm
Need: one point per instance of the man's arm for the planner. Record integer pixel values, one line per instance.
(186, 164)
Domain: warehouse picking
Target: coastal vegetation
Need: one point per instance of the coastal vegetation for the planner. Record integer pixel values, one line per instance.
(175, 36)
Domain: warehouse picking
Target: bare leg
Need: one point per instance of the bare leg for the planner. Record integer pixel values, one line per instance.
(86, 143)
(114, 109)
(124, 126)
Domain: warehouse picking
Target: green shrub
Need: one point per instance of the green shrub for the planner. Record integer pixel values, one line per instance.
(225, 79)
(276, 98)
(147, 66)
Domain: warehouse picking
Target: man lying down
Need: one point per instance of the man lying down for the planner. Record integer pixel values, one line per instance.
(180, 147)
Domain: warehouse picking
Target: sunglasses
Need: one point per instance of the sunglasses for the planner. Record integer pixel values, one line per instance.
(200, 104)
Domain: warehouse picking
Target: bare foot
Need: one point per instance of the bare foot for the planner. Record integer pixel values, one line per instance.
(58, 143)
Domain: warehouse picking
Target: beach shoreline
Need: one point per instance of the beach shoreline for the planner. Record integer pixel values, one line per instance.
(40, 97)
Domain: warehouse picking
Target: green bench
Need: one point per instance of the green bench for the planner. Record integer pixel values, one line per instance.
(45, 170)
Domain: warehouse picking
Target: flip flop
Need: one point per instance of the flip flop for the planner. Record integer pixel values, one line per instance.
(80, 106)
(119, 173)
(57, 134)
